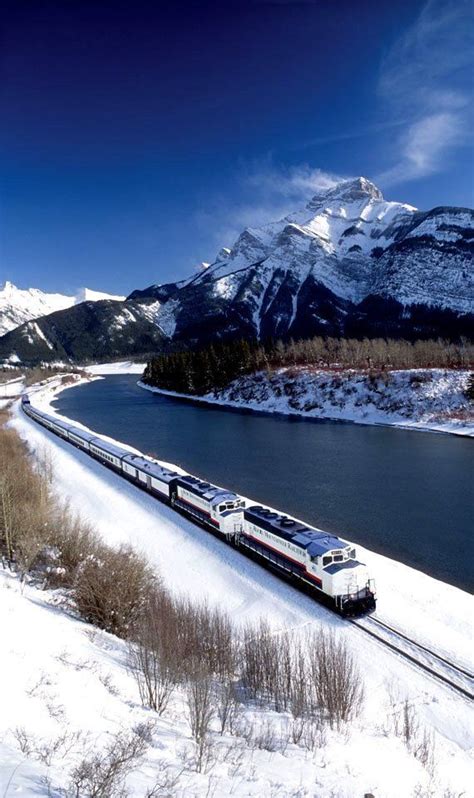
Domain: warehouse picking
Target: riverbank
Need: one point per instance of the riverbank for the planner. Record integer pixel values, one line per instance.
(423, 399)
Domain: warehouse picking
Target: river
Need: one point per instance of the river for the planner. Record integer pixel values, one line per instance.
(406, 494)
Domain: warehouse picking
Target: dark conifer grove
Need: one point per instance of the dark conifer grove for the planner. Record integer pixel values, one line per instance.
(213, 368)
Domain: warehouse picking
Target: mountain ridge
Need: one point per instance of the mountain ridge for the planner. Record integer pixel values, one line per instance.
(349, 263)
(19, 305)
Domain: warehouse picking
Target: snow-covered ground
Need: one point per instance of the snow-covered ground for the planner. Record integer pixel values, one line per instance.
(79, 681)
(423, 399)
(121, 367)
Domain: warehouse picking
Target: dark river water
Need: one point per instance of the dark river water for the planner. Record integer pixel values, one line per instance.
(409, 495)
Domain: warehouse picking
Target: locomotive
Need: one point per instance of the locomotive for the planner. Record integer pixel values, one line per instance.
(323, 564)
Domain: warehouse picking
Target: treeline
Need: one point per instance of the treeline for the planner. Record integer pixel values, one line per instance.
(213, 368)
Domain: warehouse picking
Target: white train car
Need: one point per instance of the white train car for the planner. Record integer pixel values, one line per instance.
(216, 507)
(149, 474)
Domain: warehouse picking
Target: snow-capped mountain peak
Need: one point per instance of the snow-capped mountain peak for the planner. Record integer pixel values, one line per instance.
(18, 305)
(348, 263)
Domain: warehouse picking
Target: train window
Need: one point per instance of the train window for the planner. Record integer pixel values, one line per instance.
(338, 558)
(352, 553)
(222, 507)
(327, 560)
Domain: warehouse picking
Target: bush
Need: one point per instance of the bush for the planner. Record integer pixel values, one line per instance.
(112, 587)
(72, 542)
(101, 774)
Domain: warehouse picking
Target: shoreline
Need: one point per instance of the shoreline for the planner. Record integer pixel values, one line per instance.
(252, 406)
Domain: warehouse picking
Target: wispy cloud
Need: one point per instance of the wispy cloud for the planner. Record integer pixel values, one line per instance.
(267, 191)
(424, 80)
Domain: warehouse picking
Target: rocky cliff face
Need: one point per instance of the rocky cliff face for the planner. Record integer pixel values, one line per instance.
(348, 263)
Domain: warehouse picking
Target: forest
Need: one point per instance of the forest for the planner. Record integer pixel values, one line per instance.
(213, 368)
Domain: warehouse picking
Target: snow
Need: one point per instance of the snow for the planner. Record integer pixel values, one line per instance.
(165, 317)
(18, 305)
(121, 367)
(80, 683)
(418, 399)
(87, 295)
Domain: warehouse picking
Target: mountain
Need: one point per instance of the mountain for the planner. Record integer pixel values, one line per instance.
(19, 305)
(348, 263)
(87, 331)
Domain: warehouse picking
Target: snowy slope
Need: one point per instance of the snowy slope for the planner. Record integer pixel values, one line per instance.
(80, 681)
(18, 305)
(423, 399)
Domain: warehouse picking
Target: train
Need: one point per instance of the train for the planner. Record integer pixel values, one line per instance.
(324, 565)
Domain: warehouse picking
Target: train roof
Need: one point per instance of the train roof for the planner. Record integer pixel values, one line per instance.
(82, 433)
(150, 467)
(212, 493)
(106, 446)
(314, 541)
(59, 422)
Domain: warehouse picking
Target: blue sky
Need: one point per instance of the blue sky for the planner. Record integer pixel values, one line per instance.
(137, 138)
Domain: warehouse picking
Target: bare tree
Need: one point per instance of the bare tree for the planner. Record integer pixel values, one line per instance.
(151, 660)
(200, 710)
(336, 679)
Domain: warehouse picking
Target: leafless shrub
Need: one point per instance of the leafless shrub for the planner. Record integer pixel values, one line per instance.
(227, 703)
(418, 740)
(200, 711)
(267, 665)
(206, 635)
(26, 504)
(168, 780)
(151, 657)
(24, 740)
(145, 730)
(101, 774)
(263, 736)
(46, 751)
(314, 735)
(73, 540)
(107, 681)
(112, 587)
(336, 679)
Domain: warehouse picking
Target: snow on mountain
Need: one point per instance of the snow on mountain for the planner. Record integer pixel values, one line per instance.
(309, 272)
(349, 264)
(88, 295)
(18, 305)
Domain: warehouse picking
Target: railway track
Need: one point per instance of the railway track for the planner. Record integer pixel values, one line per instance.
(454, 676)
